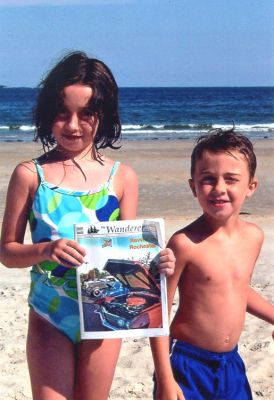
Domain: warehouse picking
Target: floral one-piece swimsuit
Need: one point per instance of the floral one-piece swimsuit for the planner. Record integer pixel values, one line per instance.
(53, 292)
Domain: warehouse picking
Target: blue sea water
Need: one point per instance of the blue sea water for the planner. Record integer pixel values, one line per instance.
(160, 113)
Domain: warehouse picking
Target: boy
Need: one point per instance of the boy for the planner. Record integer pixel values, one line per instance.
(215, 257)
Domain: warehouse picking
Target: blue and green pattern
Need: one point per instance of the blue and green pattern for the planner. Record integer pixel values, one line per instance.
(53, 293)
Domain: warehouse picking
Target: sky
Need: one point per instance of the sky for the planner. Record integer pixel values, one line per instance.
(144, 42)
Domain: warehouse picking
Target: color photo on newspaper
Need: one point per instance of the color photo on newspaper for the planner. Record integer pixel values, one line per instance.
(121, 294)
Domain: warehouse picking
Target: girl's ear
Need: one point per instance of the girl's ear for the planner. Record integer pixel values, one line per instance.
(252, 187)
(95, 124)
(192, 187)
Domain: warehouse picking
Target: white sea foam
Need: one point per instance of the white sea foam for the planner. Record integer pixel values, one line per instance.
(26, 128)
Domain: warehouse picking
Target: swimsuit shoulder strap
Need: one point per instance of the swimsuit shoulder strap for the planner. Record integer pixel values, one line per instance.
(112, 173)
(39, 170)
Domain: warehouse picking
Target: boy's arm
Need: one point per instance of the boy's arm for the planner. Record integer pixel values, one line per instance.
(256, 304)
(167, 388)
(259, 307)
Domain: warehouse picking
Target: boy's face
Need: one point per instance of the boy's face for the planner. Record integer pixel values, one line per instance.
(221, 183)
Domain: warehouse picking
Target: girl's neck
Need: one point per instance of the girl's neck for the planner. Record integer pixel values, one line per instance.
(89, 154)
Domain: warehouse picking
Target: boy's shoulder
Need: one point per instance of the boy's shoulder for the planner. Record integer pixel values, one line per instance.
(185, 238)
(197, 232)
(251, 231)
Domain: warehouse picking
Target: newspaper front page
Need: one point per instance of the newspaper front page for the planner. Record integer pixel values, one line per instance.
(121, 294)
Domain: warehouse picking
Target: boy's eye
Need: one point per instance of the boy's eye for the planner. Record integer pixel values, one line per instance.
(208, 179)
(231, 179)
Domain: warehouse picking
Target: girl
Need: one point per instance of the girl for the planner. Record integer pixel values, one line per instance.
(75, 117)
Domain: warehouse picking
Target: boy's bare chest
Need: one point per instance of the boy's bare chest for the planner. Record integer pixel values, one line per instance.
(222, 264)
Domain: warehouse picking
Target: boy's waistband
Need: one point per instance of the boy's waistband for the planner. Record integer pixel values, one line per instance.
(199, 353)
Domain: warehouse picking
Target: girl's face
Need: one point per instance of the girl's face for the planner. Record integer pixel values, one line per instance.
(221, 183)
(74, 128)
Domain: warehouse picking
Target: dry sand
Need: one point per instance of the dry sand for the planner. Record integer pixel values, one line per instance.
(163, 170)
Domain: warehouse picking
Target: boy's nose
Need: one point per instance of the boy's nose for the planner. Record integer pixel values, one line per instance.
(219, 186)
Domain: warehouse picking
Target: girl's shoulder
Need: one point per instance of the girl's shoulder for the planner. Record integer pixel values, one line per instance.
(124, 181)
(123, 171)
(25, 169)
(25, 175)
(126, 178)
(126, 171)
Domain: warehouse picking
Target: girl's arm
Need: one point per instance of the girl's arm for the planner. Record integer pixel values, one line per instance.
(14, 253)
(259, 307)
(126, 185)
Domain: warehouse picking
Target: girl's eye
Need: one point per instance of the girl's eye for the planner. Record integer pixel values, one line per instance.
(85, 114)
(62, 114)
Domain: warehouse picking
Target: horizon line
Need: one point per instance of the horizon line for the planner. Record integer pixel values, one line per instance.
(160, 87)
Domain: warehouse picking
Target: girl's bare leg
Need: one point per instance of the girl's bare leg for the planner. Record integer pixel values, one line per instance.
(97, 360)
(51, 361)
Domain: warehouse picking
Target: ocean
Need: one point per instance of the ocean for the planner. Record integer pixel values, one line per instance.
(160, 113)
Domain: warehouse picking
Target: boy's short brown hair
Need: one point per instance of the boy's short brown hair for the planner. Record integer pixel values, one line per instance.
(219, 140)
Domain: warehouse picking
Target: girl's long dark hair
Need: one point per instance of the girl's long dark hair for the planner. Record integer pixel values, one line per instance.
(75, 68)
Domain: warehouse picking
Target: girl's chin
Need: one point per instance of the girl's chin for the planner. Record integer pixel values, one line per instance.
(74, 149)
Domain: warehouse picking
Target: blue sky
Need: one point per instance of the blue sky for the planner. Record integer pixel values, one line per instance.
(144, 42)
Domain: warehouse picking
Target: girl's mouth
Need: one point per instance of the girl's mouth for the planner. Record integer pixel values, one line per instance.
(72, 137)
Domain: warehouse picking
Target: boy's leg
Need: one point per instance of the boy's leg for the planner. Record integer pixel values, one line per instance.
(96, 364)
(237, 383)
(51, 361)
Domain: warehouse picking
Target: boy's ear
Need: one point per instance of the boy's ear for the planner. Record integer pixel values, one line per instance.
(192, 187)
(252, 187)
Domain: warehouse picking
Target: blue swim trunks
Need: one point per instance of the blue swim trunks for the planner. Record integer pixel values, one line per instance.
(206, 375)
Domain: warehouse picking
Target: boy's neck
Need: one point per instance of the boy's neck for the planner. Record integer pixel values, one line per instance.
(229, 226)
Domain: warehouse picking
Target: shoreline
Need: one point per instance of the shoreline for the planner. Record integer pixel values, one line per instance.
(163, 171)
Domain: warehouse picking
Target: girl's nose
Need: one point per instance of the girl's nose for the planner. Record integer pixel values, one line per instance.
(72, 122)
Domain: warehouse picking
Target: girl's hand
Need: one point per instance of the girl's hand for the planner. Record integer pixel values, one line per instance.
(166, 262)
(65, 252)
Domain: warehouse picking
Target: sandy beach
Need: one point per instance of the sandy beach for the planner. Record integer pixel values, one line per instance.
(163, 170)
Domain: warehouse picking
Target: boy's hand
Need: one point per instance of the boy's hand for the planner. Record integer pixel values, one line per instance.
(66, 252)
(170, 391)
(167, 261)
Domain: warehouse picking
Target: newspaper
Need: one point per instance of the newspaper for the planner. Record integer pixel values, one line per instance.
(121, 294)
